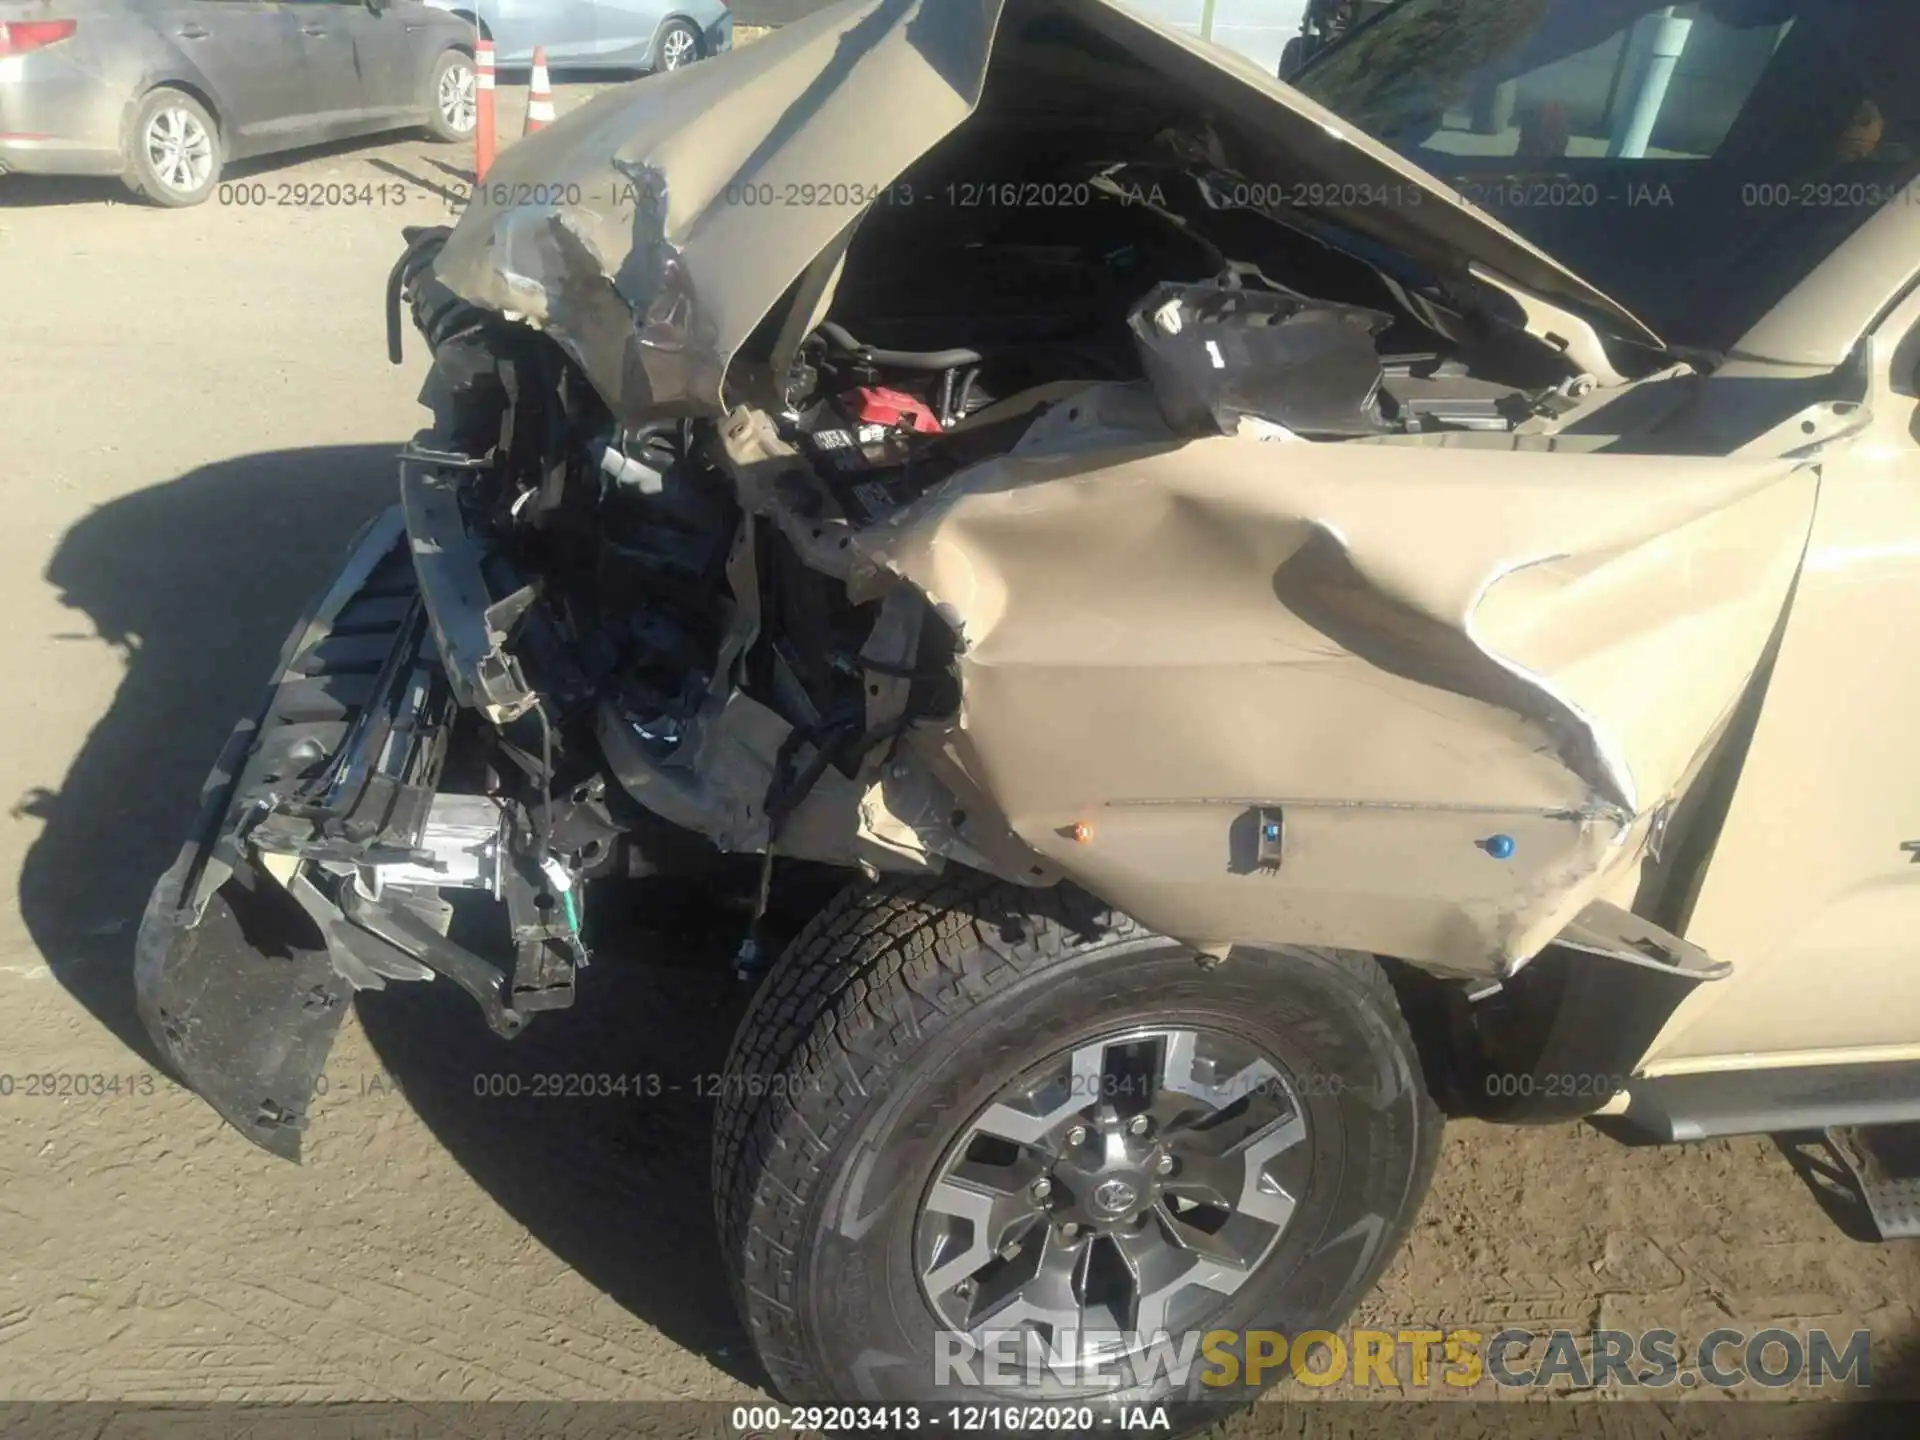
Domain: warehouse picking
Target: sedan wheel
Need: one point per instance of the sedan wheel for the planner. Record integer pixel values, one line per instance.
(452, 100)
(180, 149)
(679, 46)
(174, 146)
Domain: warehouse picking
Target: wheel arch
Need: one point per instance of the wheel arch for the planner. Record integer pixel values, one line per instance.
(455, 47)
(1552, 1042)
(680, 17)
(197, 91)
(1555, 1042)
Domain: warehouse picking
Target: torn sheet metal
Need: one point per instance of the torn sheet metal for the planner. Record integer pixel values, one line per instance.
(1466, 685)
(653, 229)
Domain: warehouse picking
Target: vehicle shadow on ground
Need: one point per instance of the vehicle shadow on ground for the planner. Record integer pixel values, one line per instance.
(591, 1128)
(452, 197)
(1820, 1169)
(20, 192)
(1886, 1408)
(197, 582)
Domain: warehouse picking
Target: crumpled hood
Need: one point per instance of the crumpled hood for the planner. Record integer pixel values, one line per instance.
(631, 229)
(652, 230)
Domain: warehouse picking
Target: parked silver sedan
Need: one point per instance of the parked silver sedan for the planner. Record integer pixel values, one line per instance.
(164, 92)
(600, 34)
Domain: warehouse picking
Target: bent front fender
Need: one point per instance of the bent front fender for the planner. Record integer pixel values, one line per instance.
(1428, 701)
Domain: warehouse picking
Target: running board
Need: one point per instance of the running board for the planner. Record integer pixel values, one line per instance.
(1679, 1108)
(1884, 1165)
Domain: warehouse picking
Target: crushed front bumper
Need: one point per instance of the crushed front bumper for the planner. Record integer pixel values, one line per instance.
(243, 968)
(280, 905)
(325, 849)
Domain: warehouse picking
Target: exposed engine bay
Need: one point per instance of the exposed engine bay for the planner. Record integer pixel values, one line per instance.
(659, 651)
(686, 638)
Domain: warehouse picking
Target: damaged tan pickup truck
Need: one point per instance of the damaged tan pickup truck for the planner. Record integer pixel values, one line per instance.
(1273, 649)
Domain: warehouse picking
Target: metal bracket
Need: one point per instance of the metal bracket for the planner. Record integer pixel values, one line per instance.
(547, 948)
(1607, 930)
(412, 936)
(447, 565)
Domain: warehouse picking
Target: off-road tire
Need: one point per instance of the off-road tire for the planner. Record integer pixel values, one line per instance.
(903, 1006)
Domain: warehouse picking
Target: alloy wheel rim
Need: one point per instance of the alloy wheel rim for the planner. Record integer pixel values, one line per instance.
(1127, 1186)
(457, 101)
(677, 50)
(179, 149)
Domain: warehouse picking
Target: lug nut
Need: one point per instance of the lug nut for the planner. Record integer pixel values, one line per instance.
(1009, 1250)
(1042, 1188)
(1164, 1165)
(1077, 1135)
(1069, 1230)
(1138, 1125)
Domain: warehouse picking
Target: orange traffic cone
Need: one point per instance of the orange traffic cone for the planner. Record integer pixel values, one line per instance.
(539, 94)
(483, 137)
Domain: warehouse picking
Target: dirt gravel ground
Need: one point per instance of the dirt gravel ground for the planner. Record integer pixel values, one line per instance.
(197, 414)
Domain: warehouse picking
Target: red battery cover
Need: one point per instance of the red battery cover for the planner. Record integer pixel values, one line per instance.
(877, 405)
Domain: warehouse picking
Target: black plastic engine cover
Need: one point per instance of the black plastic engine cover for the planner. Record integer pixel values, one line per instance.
(1218, 351)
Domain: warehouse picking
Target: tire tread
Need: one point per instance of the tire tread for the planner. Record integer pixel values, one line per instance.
(862, 987)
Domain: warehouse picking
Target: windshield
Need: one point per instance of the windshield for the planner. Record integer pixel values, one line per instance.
(1694, 161)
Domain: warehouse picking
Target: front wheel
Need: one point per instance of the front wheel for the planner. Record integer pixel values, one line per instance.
(967, 1125)
(452, 96)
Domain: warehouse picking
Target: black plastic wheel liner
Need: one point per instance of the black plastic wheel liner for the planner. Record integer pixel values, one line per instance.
(242, 982)
(246, 1003)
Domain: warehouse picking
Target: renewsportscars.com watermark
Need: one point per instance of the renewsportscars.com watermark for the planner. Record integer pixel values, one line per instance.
(1407, 1359)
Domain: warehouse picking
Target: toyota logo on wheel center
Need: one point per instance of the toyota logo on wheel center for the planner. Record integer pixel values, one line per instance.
(1114, 1195)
